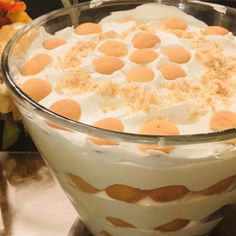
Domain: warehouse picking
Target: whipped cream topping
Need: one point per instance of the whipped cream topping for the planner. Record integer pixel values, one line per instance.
(189, 101)
(151, 215)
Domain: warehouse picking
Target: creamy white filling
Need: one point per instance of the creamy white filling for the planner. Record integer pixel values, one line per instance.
(196, 167)
(200, 229)
(96, 207)
(152, 215)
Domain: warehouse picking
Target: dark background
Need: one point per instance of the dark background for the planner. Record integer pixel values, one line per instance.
(39, 7)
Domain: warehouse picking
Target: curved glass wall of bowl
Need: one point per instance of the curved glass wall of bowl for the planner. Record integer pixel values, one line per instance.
(80, 160)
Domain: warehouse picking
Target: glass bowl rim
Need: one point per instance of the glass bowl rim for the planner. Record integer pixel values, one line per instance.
(77, 126)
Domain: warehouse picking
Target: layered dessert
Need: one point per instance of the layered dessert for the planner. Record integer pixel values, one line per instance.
(143, 73)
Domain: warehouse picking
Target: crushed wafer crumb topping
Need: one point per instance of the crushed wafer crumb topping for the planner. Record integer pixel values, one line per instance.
(75, 54)
(214, 85)
(216, 82)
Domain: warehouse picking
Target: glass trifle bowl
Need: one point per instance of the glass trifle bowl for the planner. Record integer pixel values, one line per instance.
(133, 111)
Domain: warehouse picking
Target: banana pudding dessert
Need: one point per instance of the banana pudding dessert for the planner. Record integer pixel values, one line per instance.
(150, 71)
